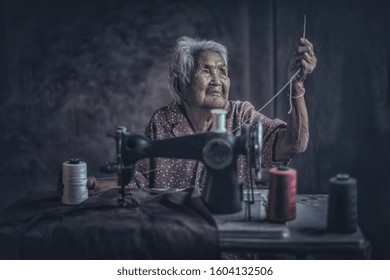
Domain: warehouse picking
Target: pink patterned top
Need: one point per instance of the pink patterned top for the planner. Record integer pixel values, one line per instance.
(171, 121)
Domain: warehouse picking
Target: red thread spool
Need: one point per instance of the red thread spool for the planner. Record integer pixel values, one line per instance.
(282, 195)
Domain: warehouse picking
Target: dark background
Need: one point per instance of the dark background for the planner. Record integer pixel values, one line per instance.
(71, 71)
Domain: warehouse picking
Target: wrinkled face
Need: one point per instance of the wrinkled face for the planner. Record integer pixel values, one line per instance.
(210, 82)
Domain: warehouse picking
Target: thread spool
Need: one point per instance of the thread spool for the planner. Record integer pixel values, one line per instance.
(219, 120)
(74, 179)
(282, 194)
(342, 204)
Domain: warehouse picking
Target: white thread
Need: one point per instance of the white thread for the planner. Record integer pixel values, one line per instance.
(74, 178)
(150, 170)
(290, 98)
(273, 97)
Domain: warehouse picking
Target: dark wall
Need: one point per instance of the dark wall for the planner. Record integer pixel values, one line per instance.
(71, 71)
(348, 100)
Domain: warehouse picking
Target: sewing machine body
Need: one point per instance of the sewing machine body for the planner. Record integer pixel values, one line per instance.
(218, 151)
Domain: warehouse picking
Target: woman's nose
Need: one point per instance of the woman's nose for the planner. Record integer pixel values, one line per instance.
(215, 79)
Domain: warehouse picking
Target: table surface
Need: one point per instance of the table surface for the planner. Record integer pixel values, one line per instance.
(304, 235)
(307, 234)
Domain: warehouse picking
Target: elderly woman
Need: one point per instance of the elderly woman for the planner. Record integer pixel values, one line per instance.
(199, 81)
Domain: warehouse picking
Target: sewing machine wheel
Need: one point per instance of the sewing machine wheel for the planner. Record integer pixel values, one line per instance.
(255, 145)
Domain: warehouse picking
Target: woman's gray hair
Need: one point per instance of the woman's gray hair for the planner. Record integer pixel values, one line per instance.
(183, 62)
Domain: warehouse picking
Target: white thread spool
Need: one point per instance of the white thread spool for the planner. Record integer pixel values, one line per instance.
(74, 178)
(219, 120)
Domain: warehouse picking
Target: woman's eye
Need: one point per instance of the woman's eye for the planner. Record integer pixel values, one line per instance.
(222, 72)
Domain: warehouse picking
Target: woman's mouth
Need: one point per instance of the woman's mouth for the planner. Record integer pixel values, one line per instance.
(215, 93)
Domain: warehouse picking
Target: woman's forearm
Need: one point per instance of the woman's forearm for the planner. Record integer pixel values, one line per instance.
(295, 137)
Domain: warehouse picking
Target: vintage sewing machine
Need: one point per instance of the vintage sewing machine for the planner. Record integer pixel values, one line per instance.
(218, 150)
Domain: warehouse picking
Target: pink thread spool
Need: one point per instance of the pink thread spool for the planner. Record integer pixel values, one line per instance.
(282, 194)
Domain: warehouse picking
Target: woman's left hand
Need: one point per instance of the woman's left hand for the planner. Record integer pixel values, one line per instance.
(304, 59)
